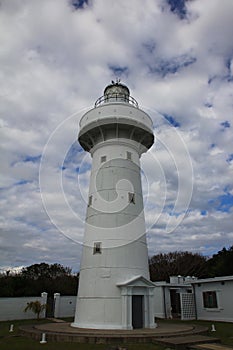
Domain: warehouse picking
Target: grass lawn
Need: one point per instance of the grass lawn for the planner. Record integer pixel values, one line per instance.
(224, 330)
(13, 341)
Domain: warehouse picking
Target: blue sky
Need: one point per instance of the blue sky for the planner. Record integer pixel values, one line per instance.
(56, 58)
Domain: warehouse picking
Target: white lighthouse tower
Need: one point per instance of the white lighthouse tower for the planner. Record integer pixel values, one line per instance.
(114, 287)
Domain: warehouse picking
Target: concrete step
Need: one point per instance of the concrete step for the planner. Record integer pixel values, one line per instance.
(208, 346)
(182, 342)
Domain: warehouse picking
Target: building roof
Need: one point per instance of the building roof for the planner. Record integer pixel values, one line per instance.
(214, 279)
(189, 282)
(173, 285)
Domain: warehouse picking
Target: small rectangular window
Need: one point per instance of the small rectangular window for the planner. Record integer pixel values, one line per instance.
(131, 197)
(129, 155)
(97, 248)
(103, 159)
(210, 299)
(89, 201)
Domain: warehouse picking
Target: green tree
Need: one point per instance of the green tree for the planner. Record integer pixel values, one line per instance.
(162, 266)
(36, 307)
(221, 264)
(38, 278)
(45, 270)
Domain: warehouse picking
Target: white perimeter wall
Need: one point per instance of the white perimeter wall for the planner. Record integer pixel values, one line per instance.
(13, 308)
(64, 305)
(159, 302)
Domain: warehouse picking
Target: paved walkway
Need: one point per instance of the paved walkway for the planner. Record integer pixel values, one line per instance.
(212, 347)
(187, 341)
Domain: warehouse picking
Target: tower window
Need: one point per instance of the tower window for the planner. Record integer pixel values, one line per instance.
(89, 201)
(129, 155)
(131, 197)
(97, 248)
(103, 159)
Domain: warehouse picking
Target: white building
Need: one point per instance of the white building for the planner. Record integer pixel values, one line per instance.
(114, 287)
(191, 298)
(214, 298)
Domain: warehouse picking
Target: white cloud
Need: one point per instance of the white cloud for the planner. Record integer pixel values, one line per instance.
(56, 61)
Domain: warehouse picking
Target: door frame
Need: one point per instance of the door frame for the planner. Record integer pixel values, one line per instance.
(137, 286)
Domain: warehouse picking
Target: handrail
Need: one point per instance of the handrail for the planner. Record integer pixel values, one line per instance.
(116, 97)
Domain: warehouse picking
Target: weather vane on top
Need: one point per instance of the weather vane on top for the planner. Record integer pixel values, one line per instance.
(117, 81)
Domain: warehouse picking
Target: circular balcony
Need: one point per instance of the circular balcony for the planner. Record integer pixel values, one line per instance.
(116, 97)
